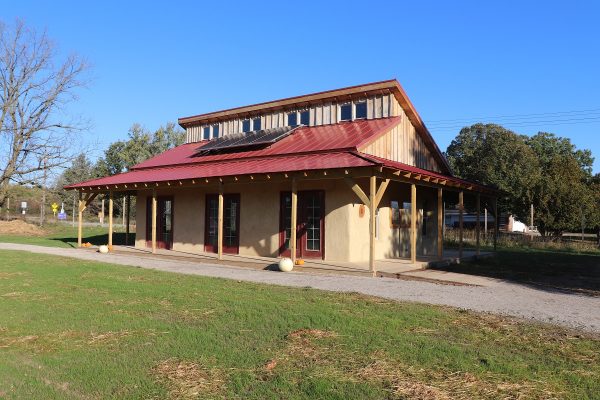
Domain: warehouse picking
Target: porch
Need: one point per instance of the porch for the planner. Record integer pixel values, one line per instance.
(368, 221)
(399, 268)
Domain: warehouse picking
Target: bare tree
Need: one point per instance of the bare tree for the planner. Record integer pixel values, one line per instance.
(35, 87)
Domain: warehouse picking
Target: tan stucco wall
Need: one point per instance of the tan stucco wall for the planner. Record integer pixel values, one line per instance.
(346, 233)
(393, 242)
(259, 217)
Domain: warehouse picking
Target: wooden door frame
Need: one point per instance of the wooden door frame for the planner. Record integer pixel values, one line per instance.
(235, 249)
(301, 237)
(160, 244)
(226, 249)
(304, 218)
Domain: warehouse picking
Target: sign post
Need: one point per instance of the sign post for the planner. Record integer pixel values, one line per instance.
(62, 215)
(54, 209)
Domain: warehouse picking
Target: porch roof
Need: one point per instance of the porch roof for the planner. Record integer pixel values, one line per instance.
(263, 165)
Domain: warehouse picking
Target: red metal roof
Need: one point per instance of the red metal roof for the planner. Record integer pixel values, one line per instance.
(342, 136)
(262, 165)
(308, 148)
(391, 85)
(423, 172)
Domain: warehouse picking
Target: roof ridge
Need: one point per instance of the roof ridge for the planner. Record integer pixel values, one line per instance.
(322, 92)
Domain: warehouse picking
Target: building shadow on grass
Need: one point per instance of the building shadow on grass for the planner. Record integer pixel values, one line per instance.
(97, 240)
(556, 271)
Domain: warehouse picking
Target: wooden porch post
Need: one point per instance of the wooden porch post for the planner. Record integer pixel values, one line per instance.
(110, 219)
(80, 220)
(372, 211)
(154, 212)
(496, 222)
(477, 225)
(294, 219)
(127, 218)
(461, 216)
(220, 224)
(440, 224)
(413, 223)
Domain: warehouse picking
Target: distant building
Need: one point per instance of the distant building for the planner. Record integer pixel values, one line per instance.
(452, 217)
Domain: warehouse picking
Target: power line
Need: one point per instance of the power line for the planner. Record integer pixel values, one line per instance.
(525, 123)
(452, 131)
(517, 116)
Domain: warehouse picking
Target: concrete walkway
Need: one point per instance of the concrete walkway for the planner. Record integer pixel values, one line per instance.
(571, 310)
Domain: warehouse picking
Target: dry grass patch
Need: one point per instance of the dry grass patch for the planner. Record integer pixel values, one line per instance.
(408, 382)
(107, 337)
(18, 227)
(72, 339)
(8, 275)
(189, 380)
(313, 348)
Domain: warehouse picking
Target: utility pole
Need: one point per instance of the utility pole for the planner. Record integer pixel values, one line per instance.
(532, 216)
(582, 225)
(485, 223)
(43, 205)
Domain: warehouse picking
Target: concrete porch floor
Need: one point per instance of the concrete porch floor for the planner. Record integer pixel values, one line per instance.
(390, 268)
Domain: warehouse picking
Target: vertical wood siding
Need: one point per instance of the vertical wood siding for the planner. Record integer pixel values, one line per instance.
(378, 106)
(403, 144)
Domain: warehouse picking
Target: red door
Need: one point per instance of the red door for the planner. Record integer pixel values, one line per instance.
(310, 225)
(231, 223)
(164, 222)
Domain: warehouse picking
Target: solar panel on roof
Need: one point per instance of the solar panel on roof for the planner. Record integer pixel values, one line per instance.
(248, 139)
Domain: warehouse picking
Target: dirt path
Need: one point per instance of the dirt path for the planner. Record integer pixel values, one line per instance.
(571, 310)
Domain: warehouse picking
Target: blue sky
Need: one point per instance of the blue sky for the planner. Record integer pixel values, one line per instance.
(529, 64)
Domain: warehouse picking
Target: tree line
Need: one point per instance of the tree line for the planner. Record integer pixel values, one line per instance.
(544, 170)
(140, 145)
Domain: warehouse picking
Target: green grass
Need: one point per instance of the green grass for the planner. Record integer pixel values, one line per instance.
(75, 329)
(59, 235)
(545, 269)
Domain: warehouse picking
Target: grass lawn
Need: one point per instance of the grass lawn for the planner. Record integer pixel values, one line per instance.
(545, 269)
(62, 235)
(85, 330)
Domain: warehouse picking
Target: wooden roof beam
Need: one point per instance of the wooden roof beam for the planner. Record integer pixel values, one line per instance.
(358, 191)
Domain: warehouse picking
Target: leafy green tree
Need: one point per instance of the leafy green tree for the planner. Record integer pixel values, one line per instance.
(548, 145)
(594, 206)
(498, 157)
(81, 169)
(544, 170)
(563, 192)
(140, 146)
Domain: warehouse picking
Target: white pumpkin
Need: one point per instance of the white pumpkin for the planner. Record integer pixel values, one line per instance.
(103, 249)
(286, 264)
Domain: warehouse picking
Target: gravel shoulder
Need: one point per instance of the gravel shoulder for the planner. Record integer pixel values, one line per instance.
(570, 310)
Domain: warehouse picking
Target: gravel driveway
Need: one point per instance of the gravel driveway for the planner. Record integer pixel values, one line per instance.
(571, 310)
